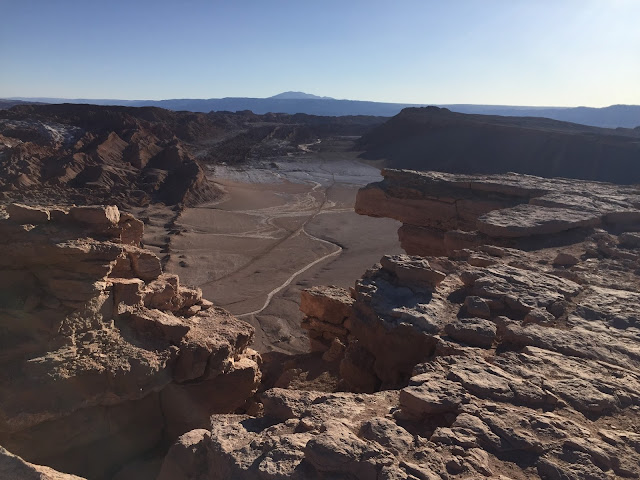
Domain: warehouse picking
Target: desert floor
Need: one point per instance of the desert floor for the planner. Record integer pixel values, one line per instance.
(282, 226)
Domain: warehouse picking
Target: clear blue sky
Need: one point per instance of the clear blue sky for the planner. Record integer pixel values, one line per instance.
(511, 52)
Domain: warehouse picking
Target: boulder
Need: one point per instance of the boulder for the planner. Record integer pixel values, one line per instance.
(332, 304)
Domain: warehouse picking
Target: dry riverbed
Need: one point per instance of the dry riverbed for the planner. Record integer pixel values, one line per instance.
(282, 226)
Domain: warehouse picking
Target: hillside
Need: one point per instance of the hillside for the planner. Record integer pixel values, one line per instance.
(438, 139)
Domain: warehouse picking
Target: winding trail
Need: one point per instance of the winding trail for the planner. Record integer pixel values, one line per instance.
(268, 218)
(288, 281)
(294, 275)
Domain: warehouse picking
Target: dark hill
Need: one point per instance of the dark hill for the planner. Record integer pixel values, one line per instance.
(432, 138)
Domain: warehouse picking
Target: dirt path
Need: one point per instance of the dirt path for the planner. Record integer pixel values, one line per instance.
(277, 232)
(313, 237)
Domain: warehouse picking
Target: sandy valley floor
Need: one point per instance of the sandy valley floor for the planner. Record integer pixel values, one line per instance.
(281, 227)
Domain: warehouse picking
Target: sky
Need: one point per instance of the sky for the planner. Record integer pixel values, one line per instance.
(501, 52)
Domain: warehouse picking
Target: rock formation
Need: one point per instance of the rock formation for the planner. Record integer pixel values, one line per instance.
(104, 357)
(87, 153)
(442, 213)
(135, 156)
(508, 349)
(434, 138)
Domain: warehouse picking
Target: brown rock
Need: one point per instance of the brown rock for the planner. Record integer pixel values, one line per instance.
(431, 398)
(131, 229)
(539, 316)
(565, 260)
(13, 467)
(335, 352)
(477, 307)
(99, 216)
(331, 304)
(127, 291)
(96, 377)
(412, 270)
(527, 220)
(23, 214)
(186, 458)
(145, 264)
(476, 332)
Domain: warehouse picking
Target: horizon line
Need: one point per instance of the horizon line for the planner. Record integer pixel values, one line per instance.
(70, 100)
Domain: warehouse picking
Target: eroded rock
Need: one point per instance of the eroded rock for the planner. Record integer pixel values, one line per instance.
(104, 356)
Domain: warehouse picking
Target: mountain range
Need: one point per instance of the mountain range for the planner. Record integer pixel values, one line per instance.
(614, 116)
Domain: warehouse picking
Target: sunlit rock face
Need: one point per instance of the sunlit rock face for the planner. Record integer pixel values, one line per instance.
(103, 355)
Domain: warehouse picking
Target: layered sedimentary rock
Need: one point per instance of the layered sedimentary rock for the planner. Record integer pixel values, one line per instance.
(104, 356)
(444, 212)
(135, 156)
(495, 361)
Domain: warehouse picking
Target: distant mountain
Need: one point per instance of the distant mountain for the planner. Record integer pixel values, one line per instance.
(434, 138)
(627, 116)
(614, 116)
(299, 96)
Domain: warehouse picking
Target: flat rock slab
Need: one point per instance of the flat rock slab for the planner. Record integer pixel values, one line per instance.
(476, 332)
(526, 220)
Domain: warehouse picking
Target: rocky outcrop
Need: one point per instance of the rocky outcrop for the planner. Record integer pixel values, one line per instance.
(435, 428)
(442, 213)
(104, 356)
(327, 320)
(495, 361)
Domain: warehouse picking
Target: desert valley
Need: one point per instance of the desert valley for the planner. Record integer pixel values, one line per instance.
(238, 296)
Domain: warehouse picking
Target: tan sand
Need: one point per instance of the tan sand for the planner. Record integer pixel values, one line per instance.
(253, 251)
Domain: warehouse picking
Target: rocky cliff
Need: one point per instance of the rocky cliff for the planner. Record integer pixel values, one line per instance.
(508, 349)
(103, 356)
(437, 139)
